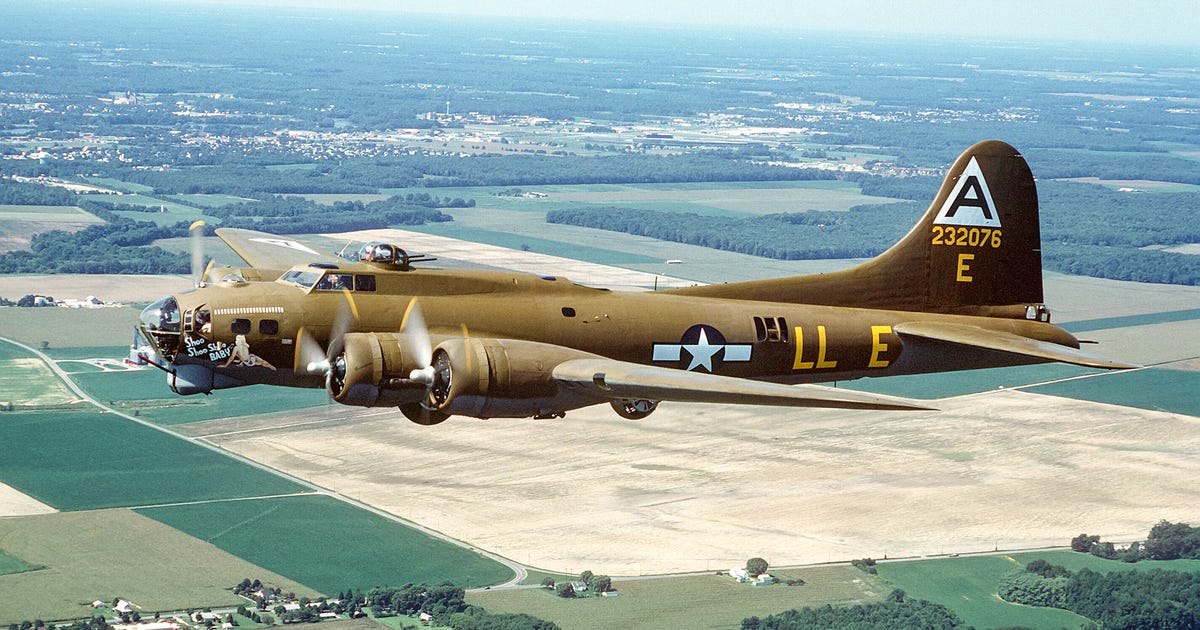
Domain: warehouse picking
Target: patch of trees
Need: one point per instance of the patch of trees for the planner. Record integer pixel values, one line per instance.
(898, 612)
(121, 246)
(444, 602)
(866, 565)
(1086, 230)
(596, 584)
(861, 232)
(1166, 541)
(1156, 598)
(296, 215)
(756, 566)
(245, 177)
(16, 193)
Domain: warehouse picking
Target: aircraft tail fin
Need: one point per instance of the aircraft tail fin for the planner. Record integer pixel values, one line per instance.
(976, 250)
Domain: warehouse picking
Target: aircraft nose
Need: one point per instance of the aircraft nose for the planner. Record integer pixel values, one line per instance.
(161, 323)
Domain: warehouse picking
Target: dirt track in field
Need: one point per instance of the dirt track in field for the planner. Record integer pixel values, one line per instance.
(698, 487)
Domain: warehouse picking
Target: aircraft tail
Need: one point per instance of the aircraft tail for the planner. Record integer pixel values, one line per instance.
(976, 251)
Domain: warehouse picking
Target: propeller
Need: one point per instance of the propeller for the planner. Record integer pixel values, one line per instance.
(413, 328)
(309, 354)
(435, 375)
(198, 270)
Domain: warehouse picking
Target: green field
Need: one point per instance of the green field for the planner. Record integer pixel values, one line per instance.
(968, 585)
(947, 384)
(327, 544)
(80, 557)
(87, 460)
(1131, 320)
(1177, 391)
(710, 601)
(146, 392)
(10, 564)
(707, 198)
(209, 201)
(171, 212)
(118, 184)
(64, 214)
(25, 380)
(539, 245)
(70, 327)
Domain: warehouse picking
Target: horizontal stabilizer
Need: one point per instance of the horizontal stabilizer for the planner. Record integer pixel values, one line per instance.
(976, 337)
(619, 380)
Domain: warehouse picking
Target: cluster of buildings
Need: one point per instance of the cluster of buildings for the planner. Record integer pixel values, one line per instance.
(742, 576)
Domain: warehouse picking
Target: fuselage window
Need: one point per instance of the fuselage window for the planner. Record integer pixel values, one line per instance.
(268, 327)
(240, 326)
(567, 311)
(364, 283)
(770, 329)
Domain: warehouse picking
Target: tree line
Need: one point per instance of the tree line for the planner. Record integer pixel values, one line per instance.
(124, 246)
(1166, 600)
(862, 232)
(1086, 230)
(897, 612)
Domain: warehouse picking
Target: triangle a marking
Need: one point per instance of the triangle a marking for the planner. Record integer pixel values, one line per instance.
(970, 203)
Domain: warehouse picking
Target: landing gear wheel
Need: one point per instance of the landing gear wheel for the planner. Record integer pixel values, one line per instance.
(422, 415)
(634, 409)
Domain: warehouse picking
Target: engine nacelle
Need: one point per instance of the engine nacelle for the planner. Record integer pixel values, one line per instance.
(372, 370)
(501, 378)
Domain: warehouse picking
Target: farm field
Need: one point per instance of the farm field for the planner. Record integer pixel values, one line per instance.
(88, 460)
(1177, 391)
(18, 224)
(682, 497)
(27, 382)
(46, 214)
(708, 601)
(968, 585)
(721, 198)
(327, 544)
(145, 391)
(116, 553)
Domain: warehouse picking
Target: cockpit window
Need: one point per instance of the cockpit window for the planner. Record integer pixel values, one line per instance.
(302, 279)
(336, 282)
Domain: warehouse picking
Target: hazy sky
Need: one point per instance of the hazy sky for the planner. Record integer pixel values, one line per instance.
(1137, 21)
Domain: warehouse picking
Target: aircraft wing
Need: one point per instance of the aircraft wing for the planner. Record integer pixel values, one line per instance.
(270, 251)
(618, 380)
(974, 336)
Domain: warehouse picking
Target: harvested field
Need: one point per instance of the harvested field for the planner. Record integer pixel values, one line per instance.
(14, 503)
(695, 487)
(703, 601)
(110, 288)
(116, 553)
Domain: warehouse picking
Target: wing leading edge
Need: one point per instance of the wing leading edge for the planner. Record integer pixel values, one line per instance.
(619, 380)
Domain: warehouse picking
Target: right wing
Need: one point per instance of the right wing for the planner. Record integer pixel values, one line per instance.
(270, 251)
(620, 380)
(976, 337)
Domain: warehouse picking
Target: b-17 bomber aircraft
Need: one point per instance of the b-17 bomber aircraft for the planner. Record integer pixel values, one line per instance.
(962, 290)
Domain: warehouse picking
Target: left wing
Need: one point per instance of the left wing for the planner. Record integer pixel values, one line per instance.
(270, 251)
(618, 380)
